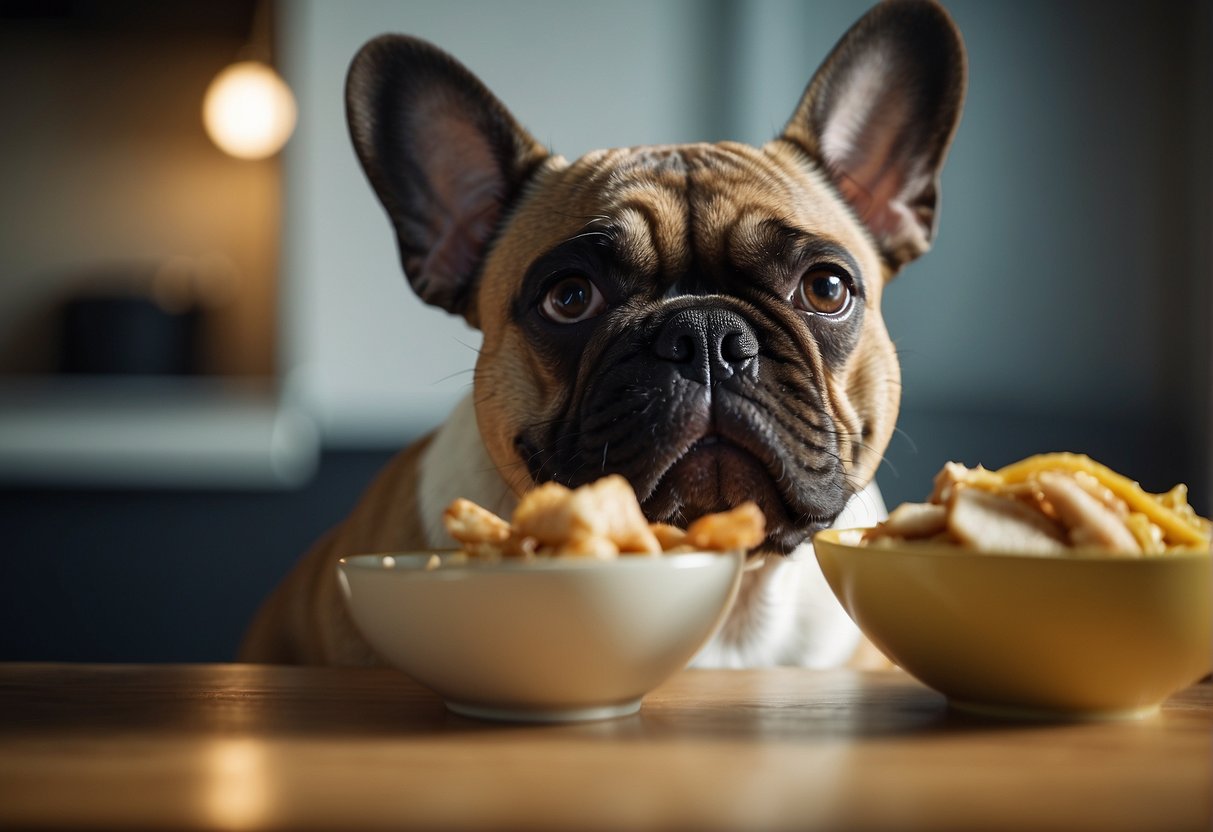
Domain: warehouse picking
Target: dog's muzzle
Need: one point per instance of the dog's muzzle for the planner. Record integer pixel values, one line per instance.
(690, 408)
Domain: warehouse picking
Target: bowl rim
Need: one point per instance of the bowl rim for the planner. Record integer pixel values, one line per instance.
(930, 549)
(415, 562)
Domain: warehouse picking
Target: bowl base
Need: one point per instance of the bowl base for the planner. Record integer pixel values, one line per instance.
(499, 714)
(1029, 714)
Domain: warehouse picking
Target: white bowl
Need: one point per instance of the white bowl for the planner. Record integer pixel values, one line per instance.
(548, 640)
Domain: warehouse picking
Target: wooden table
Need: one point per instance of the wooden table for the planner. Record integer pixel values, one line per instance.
(254, 747)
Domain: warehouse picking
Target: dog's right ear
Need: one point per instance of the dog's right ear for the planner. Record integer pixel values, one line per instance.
(444, 156)
(879, 116)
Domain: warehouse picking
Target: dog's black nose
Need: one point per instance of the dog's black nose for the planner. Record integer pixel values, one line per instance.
(706, 344)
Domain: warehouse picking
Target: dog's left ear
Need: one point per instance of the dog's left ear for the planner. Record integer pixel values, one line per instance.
(879, 116)
(445, 157)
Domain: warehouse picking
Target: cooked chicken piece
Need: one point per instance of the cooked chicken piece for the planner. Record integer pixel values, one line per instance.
(485, 551)
(572, 521)
(912, 521)
(947, 478)
(1089, 520)
(953, 474)
(1102, 493)
(543, 514)
(668, 536)
(612, 501)
(469, 523)
(743, 527)
(591, 546)
(987, 522)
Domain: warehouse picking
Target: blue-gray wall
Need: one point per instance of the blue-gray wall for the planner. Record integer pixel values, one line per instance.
(1066, 304)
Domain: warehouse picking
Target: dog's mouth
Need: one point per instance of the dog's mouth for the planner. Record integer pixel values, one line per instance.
(698, 451)
(716, 472)
(713, 474)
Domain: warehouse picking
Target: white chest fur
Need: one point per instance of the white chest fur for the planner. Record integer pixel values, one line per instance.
(456, 464)
(785, 613)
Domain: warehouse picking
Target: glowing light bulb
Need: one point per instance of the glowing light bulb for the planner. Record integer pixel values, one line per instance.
(249, 111)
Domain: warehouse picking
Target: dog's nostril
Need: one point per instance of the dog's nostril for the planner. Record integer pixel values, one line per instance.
(680, 349)
(736, 347)
(677, 343)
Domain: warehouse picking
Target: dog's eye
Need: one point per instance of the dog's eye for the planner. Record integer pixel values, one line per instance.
(823, 291)
(572, 299)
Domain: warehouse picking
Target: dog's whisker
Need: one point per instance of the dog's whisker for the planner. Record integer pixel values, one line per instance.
(913, 445)
(471, 347)
(455, 374)
(585, 234)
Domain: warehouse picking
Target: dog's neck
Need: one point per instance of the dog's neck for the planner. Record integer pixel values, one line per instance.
(456, 464)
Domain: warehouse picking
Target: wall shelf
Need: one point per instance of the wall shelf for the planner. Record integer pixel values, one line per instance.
(153, 433)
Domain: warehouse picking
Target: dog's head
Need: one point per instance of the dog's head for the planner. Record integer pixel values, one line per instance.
(703, 319)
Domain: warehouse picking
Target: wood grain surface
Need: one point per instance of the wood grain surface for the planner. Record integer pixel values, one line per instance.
(262, 747)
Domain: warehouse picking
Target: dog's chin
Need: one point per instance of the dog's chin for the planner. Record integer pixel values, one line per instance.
(716, 475)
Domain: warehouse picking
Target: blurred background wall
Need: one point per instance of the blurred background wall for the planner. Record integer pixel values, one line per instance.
(1066, 305)
(108, 175)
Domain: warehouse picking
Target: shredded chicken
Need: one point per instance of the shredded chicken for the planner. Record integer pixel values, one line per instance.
(1090, 521)
(914, 520)
(988, 522)
(1047, 504)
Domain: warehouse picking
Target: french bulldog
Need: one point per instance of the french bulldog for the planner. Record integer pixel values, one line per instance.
(703, 319)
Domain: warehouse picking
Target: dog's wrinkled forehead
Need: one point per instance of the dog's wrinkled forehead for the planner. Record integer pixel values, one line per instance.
(684, 216)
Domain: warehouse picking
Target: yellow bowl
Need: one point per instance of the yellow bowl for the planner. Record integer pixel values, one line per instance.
(1088, 636)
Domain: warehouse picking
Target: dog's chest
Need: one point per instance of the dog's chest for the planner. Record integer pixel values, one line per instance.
(786, 613)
